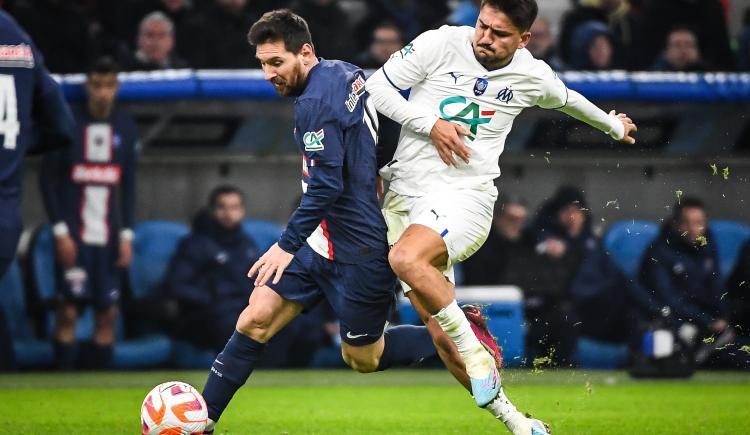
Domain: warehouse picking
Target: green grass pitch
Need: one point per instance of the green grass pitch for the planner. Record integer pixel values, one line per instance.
(396, 402)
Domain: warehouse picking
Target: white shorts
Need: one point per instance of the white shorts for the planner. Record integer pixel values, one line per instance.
(463, 219)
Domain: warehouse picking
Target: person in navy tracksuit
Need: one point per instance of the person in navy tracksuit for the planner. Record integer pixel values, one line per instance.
(33, 116)
(89, 193)
(680, 270)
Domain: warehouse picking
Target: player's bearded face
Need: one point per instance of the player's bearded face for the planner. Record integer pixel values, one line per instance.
(282, 68)
(496, 38)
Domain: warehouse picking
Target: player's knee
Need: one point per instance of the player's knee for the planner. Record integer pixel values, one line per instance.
(255, 324)
(403, 260)
(360, 363)
(66, 318)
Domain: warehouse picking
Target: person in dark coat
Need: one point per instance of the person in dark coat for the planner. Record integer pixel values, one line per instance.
(493, 262)
(681, 53)
(208, 280)
(208, 275)
(593, 48)
(681, 271)
(562, 234)
(156, 42)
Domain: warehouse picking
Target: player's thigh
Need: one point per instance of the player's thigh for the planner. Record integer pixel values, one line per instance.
(267, 313)
(418, 244)
(461, 219)
(416, 241)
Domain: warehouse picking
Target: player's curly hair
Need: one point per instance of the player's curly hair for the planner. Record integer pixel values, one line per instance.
(521, 12)
(281, 25)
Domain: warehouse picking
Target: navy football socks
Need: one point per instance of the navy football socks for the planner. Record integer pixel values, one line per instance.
(406, 345)
(229, 372)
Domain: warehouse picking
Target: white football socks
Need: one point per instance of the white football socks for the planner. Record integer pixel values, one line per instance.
(504, 411)
(453, 321)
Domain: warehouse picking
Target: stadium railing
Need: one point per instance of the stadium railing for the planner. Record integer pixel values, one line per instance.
(241, 84)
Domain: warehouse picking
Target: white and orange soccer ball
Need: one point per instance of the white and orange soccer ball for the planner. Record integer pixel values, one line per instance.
(173, 408)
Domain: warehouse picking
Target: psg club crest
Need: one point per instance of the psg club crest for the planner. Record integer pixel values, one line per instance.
(480, 86)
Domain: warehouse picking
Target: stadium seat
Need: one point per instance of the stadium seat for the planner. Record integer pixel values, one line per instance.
(29, 351)
(627, 241)
(263, 233)
(594, 354)
(153, 247)
(730, 238)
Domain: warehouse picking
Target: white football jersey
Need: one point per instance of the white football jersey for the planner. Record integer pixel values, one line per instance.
(446, 79)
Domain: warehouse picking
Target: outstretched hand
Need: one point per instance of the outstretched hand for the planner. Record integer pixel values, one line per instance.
(447, 138)
(271, 264)
(629, 125)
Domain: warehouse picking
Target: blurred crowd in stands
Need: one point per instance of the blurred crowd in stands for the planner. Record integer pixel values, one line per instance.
(658, 35)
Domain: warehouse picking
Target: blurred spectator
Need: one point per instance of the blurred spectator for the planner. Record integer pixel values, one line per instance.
(593, 47)
(465, 13)
(59, 29)
(507, 241)
(738, 287)
(386, 40)
(208, 274)
(329, 25)
(155, 45)
(412, 17)
(743, 44)
(89, 194)
(681, 53)
(562, 233)
(179, 12)
(541, 45)
(613, 14)
(219, 35)
(680, 269)
(208, 279)
(705, 17)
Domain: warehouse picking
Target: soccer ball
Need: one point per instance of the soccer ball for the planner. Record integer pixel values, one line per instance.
(173, 408)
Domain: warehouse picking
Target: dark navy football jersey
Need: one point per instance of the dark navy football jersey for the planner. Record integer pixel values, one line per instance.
(91, 185)
(25, 84)
(336, 130)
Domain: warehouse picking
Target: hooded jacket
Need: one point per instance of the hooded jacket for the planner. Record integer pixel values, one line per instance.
(211, 264)
(684, 277)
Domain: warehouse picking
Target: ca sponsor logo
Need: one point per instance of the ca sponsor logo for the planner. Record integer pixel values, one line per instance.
(313, 140)
(457, 109)
(407, 50)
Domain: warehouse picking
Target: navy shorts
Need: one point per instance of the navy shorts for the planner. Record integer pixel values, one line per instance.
(101, 286)
(363, 296)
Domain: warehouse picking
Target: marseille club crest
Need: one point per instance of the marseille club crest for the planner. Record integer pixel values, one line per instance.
(480, 86)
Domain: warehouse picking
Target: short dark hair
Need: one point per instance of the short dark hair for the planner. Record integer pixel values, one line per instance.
(224, 189)
(281, 25)
(103, 65)
(686, 202)
(521, 12)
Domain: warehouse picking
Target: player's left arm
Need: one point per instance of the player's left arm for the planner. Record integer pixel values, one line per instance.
(323, 137)
(555, 95)
(55, 126)
(127, 194)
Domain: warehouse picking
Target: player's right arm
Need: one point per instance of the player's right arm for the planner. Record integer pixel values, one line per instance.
(52, 177)
(407, 67)
(323, 146)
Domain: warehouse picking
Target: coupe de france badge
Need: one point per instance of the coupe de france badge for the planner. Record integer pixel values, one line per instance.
(480, 86)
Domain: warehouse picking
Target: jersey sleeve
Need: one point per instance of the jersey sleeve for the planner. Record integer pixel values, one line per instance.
(128, 177)
(415, 61)
(554, 93)
(322, 138)
(321, 133)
